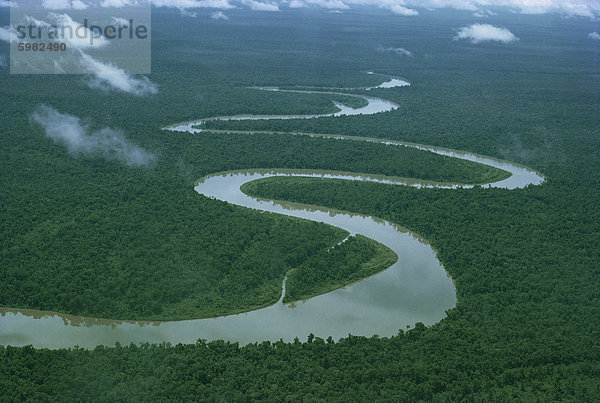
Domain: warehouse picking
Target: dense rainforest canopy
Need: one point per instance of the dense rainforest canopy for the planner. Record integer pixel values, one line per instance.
(83, 234)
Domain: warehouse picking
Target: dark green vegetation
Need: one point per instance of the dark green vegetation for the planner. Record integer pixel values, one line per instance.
(526, 262)
(356, 258)
(353, 102)
(89, 237)
(142, 244)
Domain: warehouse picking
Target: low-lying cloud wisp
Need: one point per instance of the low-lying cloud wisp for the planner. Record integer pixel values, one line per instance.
(478, 33)
(107, 76)
(260, 6)
(219, 15)
(79, 139)
(5, 34)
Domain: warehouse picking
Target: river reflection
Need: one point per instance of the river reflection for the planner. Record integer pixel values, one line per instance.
(415, 289)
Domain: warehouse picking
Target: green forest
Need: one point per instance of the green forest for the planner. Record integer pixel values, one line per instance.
(142, 244)
(354, 259)
(86, 235)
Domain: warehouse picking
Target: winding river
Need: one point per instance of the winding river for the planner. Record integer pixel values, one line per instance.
(414, 289)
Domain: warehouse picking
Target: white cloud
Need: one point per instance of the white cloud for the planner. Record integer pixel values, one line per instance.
(594, 35)
(117, 3)
(260, 6)
(219, 15)
(398, 51)
(477, 33)
(480, 8)
(109, 77)
(5, 34)
(185, 4)
(83, 40)
(79, 139)
(106, 76)
(56, 4)
(8, 34)
(119, 21)
(329, 4)
(401, 10)
(399, 7)
(581, 8)
(37, 23)
(79, 5)
(7, 3)
(64, 5)
(585, 8)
